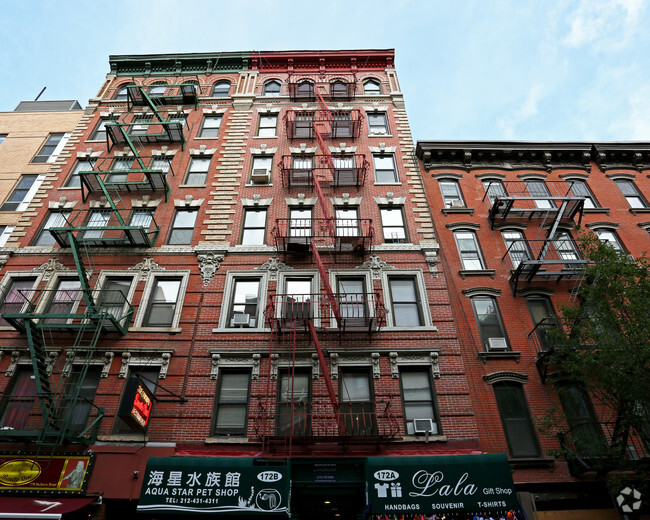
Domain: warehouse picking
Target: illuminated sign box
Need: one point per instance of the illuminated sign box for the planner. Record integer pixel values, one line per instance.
(136, 405)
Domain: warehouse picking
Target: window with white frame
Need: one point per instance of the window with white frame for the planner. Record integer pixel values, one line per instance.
(63, 300)
(261, 169)
(231, 402)
(245, 305)
(54, 219)
(120, 164)
(163, 302)
(82, 165)
(405, 300)
(490, 326)
(451, 194)
(385, 169)
(98, 218)
(609, 237)
(377, 123)
(51, 148)
(210, 126)
(300, 222)
(5, 233)
(272, 88)
(182, 228)
(299, 298)
(267, 125)
(371, 87)
(140, 124)
(418, 401)
(469, 251)
(122, 93)
(99, 133)
(347, 221)
(631, 193)
(161, 163)
(197, 171)
(516, 246)
(565, 247)
(580, 188)
(392, 224)
(221, 89)
(22, 194)
(254, 226)
(494, 189)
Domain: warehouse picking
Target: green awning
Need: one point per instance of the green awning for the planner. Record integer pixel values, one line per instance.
(214, 485)
(444, 484)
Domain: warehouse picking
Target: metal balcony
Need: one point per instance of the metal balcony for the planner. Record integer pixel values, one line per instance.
(299, 172)
(516, 201)
(360, 312)
(341, 89)
(162, 95)
(146, 132)
(337, 124)
(108, 227)
(135, 178)
(543, 260)
(294, 236)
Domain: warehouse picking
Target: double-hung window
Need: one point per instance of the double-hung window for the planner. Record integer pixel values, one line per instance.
(120, 164)
(54, 220)
(490, 326)
(254, 228)
(631, 193)
(140, 126)
(451, 195)
(163, 299)
(342, 124)
(97, 219)
(385, 169)
(182, 228)
(515, 417)
(161, 164)
(197, 171)
(418, 401)
(494, 188)
(80, 405)
(51, 149)
(231, 402)
(113, 296)
(221, 89)
(371, 87)
(300, 222)
(210, 126)
(293, 414)
(345, 171)
(245, 306)
(347, 222)
(579, 188)
(21, 194)
(16, 296)
(272, 88)
(544, 320)
(82, 165)
(610, 238)
(516, 246)
(99, 133)
(18, 402)
(469, 251)
(377, 123)
(392, 224)
(63, 300)
(538, 188)
(268, 125)
(357, 404)
(406, 305)
(353, 302)
(565, 247)
(261, 169)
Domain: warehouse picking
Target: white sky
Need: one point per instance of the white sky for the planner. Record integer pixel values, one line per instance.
(486, 69)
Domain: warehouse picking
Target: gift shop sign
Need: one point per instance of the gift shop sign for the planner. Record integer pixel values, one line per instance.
(214, 485)
(37, 473)
(427, 485)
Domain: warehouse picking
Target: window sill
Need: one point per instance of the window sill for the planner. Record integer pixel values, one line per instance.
(423, 328)
(509, 354)
(124, 437)
(447, 211)
(168, 330)
(265, 137)
(380, 135)
(239, 330)
(388, 183)
(257, 185)
(423, 438)
(95, 141)
(66, 188)
(634, 211)
(191, 186)
(477, 272)
(197, 138)
(531, 462)
(227, 439)
(596, 210)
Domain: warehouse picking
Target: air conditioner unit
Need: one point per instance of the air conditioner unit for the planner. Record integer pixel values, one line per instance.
(241, 320)
(457, 203)
(260, 176)
(425, 426)
(497, 344)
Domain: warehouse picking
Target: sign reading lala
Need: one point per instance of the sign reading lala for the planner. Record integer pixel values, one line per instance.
(428, 485)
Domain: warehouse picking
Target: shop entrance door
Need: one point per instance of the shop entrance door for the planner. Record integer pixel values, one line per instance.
(328, 502)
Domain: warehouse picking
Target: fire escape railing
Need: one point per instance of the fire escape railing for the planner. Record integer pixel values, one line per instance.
(299, 171)
(344, 124)
(296, 235)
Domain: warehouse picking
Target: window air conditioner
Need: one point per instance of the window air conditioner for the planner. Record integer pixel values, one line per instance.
(497, 344)
(457, 203)
(425, 426)
(241, 320)
(260, 176)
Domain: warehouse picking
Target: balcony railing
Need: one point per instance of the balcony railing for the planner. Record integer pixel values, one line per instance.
(348, 170)
(337, 90)
(67, 309)
(337, 124)
(341, 235)
(153, 177)
(183, 94)
(108, 227)
(147, 132)
(360, 312)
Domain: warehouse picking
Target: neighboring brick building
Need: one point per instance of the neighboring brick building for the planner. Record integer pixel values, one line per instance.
(32, 137)
(246, 236)
(505, 215)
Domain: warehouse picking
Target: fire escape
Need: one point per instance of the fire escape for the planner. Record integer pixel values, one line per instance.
(292, 313)
(80, 314)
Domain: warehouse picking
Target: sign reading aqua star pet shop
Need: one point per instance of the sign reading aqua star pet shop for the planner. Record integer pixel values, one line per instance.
(214, 485)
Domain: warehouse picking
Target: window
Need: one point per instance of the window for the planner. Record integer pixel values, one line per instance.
(141, 218)
(80, 405)
(385, 170)
(182, 229)
(451, 195)
(221, 89)
(580, 188)
(22, 193)
(122, 93)
(405, 302)
(50, 150)
(300, 222)
(609, 237)
(494, 188)
(254, 230)
(17, 404)
(272, 88)
(2, 138)
(378, 123)
(178, 117)
(96, 219)
(352, 297)
(197, 171)
(357, 405)
(345, 170)
(418, 398)
(267, 126)
(15, 296)
(342, 124)
(490, 326)
(515, 417)
(347, 222)
(210, 126)
(82, 165)
(302, 169)
(113, 296)
(339, 89)
(538, 189)
(303, 125)
(305, 89)
(120, 164)
(261, 170)
(161, 307)
(392, 225)
(516, 246)
(371, 87)
(140, 124)
(149, 377)
(55, 219)
(64, 300)
(157, 90)
(631, 193)
(565, 247)
(99, 134)
(231, 402)
(244, 311)
(580, 416)
(161, 164)
(293, 413)
(470, 254)
(543, 316)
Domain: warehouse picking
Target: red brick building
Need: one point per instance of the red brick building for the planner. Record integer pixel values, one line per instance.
(232, 268)
(506, 217)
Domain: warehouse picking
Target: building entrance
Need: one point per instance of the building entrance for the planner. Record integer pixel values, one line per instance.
(344, 501)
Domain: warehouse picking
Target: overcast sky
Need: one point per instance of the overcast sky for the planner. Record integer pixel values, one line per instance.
(509, 69)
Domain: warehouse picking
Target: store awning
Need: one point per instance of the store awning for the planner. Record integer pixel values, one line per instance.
(40, 508)
(444, 484)
(241, 485)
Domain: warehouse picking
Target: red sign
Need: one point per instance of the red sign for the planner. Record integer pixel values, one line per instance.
(39, 473)
(142, 403)
(136, 405)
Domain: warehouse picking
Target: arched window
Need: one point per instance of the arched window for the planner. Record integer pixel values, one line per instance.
(609, 236)
(158, 88)
(339, 89)
(272, 88)
(371, 87)
(122, 93)
(305, 89)
(221, 89)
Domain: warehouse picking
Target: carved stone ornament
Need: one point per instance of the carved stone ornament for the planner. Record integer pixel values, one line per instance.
(394, 369)
(146, 267)
(274, 366)
(166, 356)
(255, 374)
(11, 369)
(51, 361)
(376, 266)
(435, 368)
(273, 265)
(108, 361)
(3, 260)
(334, 366)
(208, 265)
(376, 372)
(214, 371)
(69, 361)
(50, 267)
(315, 367)
(126, 357)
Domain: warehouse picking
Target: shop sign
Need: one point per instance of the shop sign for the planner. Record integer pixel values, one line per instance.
(214, 485)
(65, 474)
(135, 407)
(325, 474)
(444, 484)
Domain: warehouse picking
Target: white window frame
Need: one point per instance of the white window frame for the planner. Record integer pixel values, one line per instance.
(206, 118)
(229, 294)
(386, 128)
(589, 196)
(420, 286)
(263, 130)
(314, 275)
(57, 150)
(44, 304)
(5, 234)
(190, 171)
(272, 94)
(8, 280)
(449, 201)
(146, 295)
(478, 250)
(65, 214)
(105, 275)
(396, 179)
(615, 240)
(334, 277)
(22, 205)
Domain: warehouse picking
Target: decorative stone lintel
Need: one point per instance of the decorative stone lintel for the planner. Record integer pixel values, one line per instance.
(463, 225)
(62, 203)
(303, 149)
(274, 366)
(390, 199)
(13, 364)
(315, 367)
(124, 367)
(334, 366)
(376, 369)
(375, 265)
(496, 377)
(301, 200)
(49, 268)
(255, 373)
(164, 366)
(273, 265)
(145, 268)
(394, 369)
(257, 200)
(214, 371)
(430, 250)
(209, 263)
(346, 200)
(263, 150)
(475, 291)
(108, 361)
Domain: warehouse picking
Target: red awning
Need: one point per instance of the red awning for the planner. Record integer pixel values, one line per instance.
(37, 507)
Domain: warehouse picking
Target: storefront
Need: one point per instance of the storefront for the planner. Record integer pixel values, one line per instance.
(458, 486)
